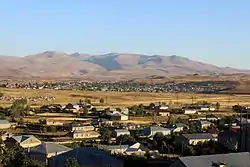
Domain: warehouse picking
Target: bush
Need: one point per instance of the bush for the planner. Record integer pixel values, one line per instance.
(101, 100)
(51, 129)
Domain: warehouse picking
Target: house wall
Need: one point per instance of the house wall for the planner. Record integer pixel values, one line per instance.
(121, 133)
(83, 128)
(86, 135)
(205, 126)
(124, 117)
(178, 129)
(196, 141)
(164, 132)
(164, 113)
(190, 112)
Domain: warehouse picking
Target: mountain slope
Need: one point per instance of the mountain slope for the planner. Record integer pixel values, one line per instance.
(111, 65)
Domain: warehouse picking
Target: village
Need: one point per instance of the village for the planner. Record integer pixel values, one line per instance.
(153, 134)
(126, 86)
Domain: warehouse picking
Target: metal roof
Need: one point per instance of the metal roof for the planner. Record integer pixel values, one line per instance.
(231, 160)
(121, 130)
(86, 157)
(48, 147)
(194, 136)
(22, 138)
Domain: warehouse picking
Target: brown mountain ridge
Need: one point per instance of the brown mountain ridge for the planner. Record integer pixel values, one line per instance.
(106, 66)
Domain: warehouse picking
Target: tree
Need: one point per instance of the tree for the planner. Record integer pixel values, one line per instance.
(125, 139)
(51, 129)
(217, 106)
(101, 100)
(85, 111)
(19, 107)
(16, 157)
(72, 162)
(88, 101)
(105, 135)
(158, 136)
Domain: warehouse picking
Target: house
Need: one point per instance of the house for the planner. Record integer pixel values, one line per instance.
(125, 111)
(120, 132)
(212, 117)
(189, 111)
(217, 160)
(137, 149)
(203, 124)
(116, 116)
(195, 138)
(46, 150)
(50, 122)
(4, 124)
(72, 108)
(180, 127)
(164, 113)
(140, 150)
(85, 134)
(206, 108)
(24, 141)
(114, 149)
(151, 131)
(90, 157)
(79, 127)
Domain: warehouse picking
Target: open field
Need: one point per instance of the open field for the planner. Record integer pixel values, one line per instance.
(123, 99)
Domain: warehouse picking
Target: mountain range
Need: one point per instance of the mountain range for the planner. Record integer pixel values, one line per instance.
(106, 66)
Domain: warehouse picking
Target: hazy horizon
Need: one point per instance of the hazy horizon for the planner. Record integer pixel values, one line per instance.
(214, 32)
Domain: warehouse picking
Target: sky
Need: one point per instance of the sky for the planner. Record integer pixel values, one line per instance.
(212, 31)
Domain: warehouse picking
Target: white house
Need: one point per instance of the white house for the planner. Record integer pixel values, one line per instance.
(151, 131)
(190, 111)
(117, 116)
(120, 132)
(164, 113)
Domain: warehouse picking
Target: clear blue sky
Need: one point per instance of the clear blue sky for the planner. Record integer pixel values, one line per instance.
(213, 31)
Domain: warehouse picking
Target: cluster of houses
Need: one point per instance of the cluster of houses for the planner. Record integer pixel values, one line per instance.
(31, 99)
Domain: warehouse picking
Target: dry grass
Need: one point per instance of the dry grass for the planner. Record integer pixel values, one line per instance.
(121, 99)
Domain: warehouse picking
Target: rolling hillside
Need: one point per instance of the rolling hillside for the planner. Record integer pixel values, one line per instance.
(106, 66)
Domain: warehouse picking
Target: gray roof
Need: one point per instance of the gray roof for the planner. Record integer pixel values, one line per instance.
(180, 125)
(112, 147)
(86, 157)
(48, 147)
(22, 138)
(204, 122)
(231, 160)
(3, 121)
(158, 128)
(198, 136)
(121, 130)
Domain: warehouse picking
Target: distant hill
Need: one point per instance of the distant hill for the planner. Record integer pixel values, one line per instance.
(106, 66)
